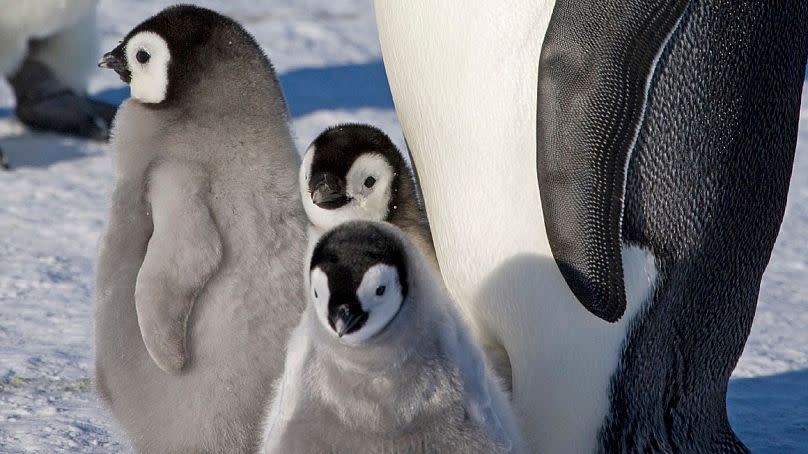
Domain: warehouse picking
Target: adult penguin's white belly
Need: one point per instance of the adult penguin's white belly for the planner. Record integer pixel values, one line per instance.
(464, 79)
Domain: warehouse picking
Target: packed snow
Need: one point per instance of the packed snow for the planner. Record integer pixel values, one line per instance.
(53, 204)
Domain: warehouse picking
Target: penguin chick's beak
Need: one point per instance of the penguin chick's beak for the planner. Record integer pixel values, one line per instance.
(327, 197)
(110, 61)
(344, 321)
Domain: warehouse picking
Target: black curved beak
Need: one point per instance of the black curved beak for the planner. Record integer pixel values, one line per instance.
(115, 63)
(329, 194)
(344, 320)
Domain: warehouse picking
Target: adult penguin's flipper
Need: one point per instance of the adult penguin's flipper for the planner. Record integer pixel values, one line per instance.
(596, 62)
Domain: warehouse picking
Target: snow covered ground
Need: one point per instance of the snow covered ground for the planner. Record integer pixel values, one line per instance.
(52, 209)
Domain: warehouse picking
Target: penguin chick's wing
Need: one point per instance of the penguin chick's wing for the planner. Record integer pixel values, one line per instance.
(183, 253)
(288, 388)
(485, 399)
(596, 62)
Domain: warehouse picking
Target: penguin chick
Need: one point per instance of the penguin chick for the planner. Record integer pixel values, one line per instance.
(355, 172)
(381, 362)
(198, 281)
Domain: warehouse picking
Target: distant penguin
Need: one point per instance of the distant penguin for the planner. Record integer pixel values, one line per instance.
(198, 283)
(355, 172)
(47, 51)
(614, 204)
(381, 362)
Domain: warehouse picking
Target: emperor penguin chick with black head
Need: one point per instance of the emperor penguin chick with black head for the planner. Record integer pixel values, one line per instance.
(198, 282)
(355, 172)
(381, 362)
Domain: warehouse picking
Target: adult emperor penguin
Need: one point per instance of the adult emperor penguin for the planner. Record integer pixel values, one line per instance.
(620, 226)
(198, 283)
(381, 361)
(355, 172)
(47, 50)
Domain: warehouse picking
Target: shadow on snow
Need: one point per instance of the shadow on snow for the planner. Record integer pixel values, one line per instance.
(769, 413)
(307, 90)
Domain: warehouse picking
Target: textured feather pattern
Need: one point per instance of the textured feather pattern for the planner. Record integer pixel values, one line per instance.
(706, 192)
(595, 65)
(419, 386)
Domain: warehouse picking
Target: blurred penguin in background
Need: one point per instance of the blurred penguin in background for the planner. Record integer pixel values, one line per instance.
(47, 50)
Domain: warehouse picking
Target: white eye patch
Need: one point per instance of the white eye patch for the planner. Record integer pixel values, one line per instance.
(147, 56)
(305, 169)
(379, 293)
(319, 295)
(374, 200)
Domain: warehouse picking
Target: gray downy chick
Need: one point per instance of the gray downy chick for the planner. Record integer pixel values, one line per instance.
(198, 280)
(381, 362)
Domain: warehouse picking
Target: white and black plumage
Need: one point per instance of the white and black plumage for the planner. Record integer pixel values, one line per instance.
(609, 177)
(198, 281)
(355, 172)
(70, 28)
(381, 362)
(47, 51)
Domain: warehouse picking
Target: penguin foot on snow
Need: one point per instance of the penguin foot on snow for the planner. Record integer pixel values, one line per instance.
(44, 102)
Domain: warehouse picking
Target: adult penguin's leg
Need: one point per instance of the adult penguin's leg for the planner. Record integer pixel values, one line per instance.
(50, 83)
(44, 102)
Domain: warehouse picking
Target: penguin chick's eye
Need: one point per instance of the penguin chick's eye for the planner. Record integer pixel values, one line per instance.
(142, 56)
(369, 182)
(380, 290)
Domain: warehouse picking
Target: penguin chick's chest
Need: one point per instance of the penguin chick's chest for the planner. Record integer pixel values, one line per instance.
(396, 397)
(374, 424)
(407, 409)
